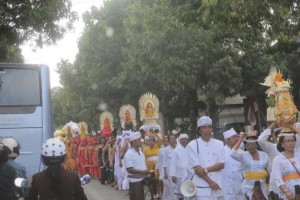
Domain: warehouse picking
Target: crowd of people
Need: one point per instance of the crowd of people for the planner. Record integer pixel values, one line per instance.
(245, 167)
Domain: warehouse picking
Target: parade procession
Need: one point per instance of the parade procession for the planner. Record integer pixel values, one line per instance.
(150, 100)
(151, 164)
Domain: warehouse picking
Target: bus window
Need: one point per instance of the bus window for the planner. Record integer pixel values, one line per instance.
(20, 87)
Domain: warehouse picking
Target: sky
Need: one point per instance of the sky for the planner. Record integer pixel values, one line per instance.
(65, 48)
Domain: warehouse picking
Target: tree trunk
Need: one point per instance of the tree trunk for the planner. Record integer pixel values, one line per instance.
(212, 109)
(193, 114)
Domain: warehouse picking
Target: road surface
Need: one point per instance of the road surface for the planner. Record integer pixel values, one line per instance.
(96, 191)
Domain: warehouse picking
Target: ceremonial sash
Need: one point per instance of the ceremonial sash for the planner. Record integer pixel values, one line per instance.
(251, 175)
(152, 158)
(291, 176)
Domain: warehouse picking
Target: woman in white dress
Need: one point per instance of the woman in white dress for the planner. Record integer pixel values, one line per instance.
(254, 164)
(286, 168)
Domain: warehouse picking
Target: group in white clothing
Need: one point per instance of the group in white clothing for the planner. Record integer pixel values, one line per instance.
(227, 171)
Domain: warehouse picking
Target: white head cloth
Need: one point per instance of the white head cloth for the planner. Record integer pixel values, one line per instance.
(119, 137)
(229, 133)
(204, 121)
(175, 131)
(124, 133)
(183, 136)
(134, 136)
(251, 140)
(286, 134)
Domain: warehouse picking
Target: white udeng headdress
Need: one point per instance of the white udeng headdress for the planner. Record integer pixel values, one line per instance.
(124, 111)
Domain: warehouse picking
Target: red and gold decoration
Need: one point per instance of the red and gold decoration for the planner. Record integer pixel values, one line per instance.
(106, 124)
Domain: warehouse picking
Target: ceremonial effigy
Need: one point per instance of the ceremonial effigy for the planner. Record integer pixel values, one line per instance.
(106, 124)
(149, 111)
(127, 116)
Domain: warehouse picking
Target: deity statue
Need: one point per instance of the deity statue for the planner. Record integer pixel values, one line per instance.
(149, 111)
(127, 116)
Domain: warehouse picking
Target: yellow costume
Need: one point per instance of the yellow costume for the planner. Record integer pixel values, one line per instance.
(69, 163)
(151, 153)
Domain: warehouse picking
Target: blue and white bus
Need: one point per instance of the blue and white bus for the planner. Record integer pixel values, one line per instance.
(25, 110)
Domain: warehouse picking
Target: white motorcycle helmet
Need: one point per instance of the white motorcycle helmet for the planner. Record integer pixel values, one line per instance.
(13, 146)
(53, 151)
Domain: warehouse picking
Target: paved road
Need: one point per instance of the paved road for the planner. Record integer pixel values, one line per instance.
(96, 191)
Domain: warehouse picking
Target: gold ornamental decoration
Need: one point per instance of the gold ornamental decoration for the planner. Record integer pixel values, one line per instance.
(127, 116)
(149, 109)
(106, 123)
(83, 129)
(280, 101)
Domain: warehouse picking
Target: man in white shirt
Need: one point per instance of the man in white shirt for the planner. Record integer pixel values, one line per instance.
(207, 158)
(233, 171)
(134, 161)
(168, 191)
(179, 165)
(159, 166)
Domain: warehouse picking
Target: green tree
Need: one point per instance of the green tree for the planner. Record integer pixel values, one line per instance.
(176, 48)
(99, 59)
(10, 53)
(252, 28)
(42, 22)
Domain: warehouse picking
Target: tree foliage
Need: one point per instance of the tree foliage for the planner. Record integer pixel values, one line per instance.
(42, 22)
(176, 48)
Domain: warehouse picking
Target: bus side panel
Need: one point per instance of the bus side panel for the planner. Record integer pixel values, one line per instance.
(21, 120)
(47, 103)
(30, 154)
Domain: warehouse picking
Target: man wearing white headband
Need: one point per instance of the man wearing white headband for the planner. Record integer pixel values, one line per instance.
(168, 190)
(180, 165)
(207, 157)
(119, 175)
(134, 161)
(233, 171)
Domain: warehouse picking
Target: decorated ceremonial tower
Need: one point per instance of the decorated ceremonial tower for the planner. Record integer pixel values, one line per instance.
(281, 108)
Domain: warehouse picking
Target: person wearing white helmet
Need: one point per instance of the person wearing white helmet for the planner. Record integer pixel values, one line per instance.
(55, 182)
(14, 147)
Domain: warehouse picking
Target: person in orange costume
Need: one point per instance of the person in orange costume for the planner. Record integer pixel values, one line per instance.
(83, 160)
(94, 159)
(74, 151)
(89, 152)
(69, 163)
(151, 153)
